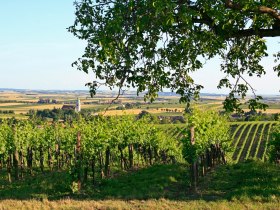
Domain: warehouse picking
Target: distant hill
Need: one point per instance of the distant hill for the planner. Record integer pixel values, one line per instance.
(113, 93)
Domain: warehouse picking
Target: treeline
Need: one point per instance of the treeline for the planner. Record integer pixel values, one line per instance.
(57, 114)
(92, 149)
(254, 116)
(17, 101)
(7, 112)
(162, 119)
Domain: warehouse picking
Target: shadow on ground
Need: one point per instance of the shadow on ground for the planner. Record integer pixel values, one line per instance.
(251, 180)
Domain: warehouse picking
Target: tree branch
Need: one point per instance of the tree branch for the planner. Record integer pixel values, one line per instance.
(120, 92)
(274, 32)
(253, 32)
(261, 9)
(205, 19)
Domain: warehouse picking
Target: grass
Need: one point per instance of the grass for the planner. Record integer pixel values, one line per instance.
(159, 181)
(247, 185)
(251, 180)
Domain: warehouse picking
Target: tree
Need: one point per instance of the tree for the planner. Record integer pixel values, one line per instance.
(154, 44)
(144, 113)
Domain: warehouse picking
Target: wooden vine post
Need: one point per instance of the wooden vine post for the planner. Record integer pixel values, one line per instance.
(194, 172)
(15, 159)
(78, 160)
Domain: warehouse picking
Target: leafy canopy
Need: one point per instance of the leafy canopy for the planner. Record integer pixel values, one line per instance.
(154, 44)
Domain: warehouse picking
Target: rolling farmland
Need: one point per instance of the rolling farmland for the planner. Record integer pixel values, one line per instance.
(249, 139)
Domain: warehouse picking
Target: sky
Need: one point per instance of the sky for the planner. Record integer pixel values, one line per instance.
(36, 51)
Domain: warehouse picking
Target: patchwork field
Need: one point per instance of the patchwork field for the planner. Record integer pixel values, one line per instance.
(22, 102)
(24, 108)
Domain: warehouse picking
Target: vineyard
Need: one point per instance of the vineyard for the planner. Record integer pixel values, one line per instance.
(101, 147)
(249, 139)
(126, 158)
(90, 150)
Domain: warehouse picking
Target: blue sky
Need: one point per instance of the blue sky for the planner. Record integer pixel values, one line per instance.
(37, 51)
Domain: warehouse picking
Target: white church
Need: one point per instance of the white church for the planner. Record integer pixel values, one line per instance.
(77, 107)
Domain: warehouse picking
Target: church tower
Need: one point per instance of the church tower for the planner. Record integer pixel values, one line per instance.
(78, 105)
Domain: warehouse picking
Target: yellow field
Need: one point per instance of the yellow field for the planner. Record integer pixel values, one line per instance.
(126, 112)
(88, 106)
(10, 104)
(214, 106)
(124, 100)
(18, 97)
(136, 111)
(22, 117)
(10, 96)
(268, 111)
(46, 106)
(25, 108)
